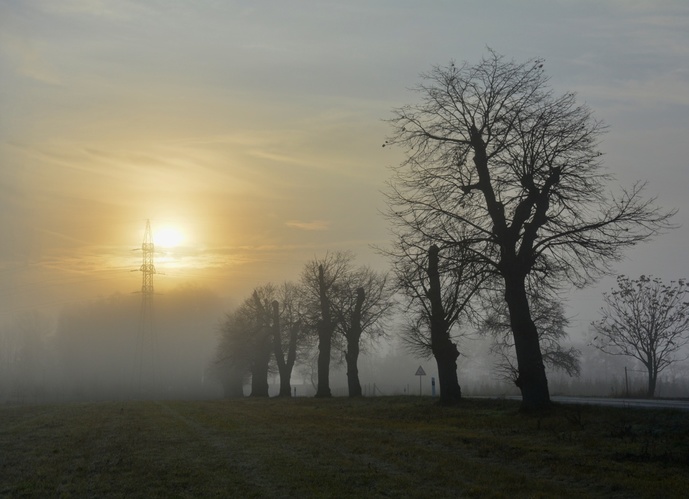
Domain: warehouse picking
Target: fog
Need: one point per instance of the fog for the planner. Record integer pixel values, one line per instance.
(255, 132)
(91, 352)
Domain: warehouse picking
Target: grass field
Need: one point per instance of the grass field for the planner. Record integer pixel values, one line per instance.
(373, 447)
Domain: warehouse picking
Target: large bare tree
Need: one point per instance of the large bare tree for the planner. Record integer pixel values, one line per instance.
(499, 165)
(645, 319)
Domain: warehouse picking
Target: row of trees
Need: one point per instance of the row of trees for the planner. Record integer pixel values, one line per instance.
(500, 205)
(335, 306)
(338, 308)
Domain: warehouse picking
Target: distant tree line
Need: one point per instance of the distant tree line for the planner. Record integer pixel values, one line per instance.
(335, 307)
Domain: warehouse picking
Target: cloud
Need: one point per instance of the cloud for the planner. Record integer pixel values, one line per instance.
(87, 8)
(313, 225)
(28, 58)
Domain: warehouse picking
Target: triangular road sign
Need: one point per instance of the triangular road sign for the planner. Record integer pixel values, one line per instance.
(420, 372)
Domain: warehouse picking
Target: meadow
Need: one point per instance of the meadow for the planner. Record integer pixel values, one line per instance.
(370, 447)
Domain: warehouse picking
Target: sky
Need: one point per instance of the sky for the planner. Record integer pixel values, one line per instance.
(250, 132)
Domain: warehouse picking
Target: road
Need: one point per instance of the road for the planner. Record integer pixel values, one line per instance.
(682, 405)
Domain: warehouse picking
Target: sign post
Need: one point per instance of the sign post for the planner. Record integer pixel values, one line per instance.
(420, 372)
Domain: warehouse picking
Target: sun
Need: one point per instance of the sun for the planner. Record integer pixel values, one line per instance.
(168, 237)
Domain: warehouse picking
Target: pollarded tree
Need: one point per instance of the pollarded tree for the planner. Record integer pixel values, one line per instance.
(439, 292)
(260, 309)
(289, 332)
(361, 304)
(232, 363)
(646, 319)
(499, 165)
(246, 345)
(320, 278)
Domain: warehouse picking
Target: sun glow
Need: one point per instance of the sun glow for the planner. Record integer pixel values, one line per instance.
(168, 237)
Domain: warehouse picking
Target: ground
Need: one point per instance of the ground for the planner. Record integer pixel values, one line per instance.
(371, 447)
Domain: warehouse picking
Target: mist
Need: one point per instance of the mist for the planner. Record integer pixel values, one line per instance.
(90, 352)
(256, 132)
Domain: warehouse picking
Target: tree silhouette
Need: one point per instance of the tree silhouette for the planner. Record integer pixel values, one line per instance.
(499, 166)
(289, 334)
(439, 292)
(361, 303)
(645, 319)
(246, 345)
(319, 279)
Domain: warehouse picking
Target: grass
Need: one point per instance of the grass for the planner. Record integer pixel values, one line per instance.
(373, 447)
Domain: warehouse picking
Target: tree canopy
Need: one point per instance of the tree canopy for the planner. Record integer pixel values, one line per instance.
(646, 319)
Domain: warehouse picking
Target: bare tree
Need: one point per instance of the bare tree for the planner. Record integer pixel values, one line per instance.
(246, 345)
(439, 292)
(289, 333)
(319, 278)
(260, 307)
(646, 319)
(231, 365)
(362, 302)
(500, 166)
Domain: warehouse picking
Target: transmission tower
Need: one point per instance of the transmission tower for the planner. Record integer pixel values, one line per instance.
(146, 338)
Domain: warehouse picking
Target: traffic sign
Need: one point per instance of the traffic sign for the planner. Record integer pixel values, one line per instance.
(420, 372)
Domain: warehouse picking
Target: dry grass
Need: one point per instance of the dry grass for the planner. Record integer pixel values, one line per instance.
(396, 447)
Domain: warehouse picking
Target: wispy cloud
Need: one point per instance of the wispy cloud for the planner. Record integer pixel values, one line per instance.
(28, 59)
(313, 225)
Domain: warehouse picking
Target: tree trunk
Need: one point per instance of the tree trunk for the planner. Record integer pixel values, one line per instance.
(446, 360)
(285, 385)
(353, 383)
(259, 369)
(352, 354)
(259, 379)
(444, 350)
(289, 362)
(652, 380)
(324, 345)
(325, 333)
(531, 380)
(284, 370)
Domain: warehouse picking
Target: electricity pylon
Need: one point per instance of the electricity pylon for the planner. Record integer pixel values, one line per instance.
(146, 338)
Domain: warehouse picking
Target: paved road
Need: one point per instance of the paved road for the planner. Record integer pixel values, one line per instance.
(682, 405)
